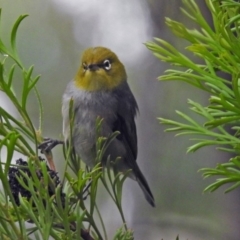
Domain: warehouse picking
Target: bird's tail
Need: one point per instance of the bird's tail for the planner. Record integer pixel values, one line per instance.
(144, 186)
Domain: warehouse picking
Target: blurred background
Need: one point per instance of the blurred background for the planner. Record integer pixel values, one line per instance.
(52, 39)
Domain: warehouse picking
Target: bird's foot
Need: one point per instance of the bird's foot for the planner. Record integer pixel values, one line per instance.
(86, 190)
(46, 149)
(49, 144)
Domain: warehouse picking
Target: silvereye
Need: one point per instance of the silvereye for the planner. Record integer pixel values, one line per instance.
(100, 89)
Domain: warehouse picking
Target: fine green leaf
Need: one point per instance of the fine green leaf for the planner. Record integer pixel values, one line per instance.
(218, 49)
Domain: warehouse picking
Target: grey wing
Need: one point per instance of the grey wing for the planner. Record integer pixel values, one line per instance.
(125, 121)
(125, 124)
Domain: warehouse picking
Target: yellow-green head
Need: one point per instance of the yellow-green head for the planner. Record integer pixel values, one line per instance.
(100, 69)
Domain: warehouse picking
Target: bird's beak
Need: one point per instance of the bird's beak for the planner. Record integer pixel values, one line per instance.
(93, 67)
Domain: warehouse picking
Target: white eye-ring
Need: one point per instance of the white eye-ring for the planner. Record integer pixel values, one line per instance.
(85, 67)
(107, 64)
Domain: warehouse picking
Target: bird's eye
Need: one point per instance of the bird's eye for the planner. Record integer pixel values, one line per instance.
(85, 66)
(107, 64)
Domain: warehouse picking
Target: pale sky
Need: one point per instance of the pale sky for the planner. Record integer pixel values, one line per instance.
(119, 25)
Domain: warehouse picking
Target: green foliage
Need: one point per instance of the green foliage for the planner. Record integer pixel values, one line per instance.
(218, 49)
(66, 210)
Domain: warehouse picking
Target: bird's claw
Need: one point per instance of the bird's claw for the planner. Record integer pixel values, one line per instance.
(49, 144)
(86, 190)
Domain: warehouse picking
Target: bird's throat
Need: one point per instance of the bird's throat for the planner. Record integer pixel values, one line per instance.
(93, 81)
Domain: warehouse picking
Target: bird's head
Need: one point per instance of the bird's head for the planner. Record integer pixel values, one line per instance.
(100, 69)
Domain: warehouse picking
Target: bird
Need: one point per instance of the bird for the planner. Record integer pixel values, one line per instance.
(100, 90)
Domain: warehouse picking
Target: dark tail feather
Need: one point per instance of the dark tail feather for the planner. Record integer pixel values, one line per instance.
(144, 186)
